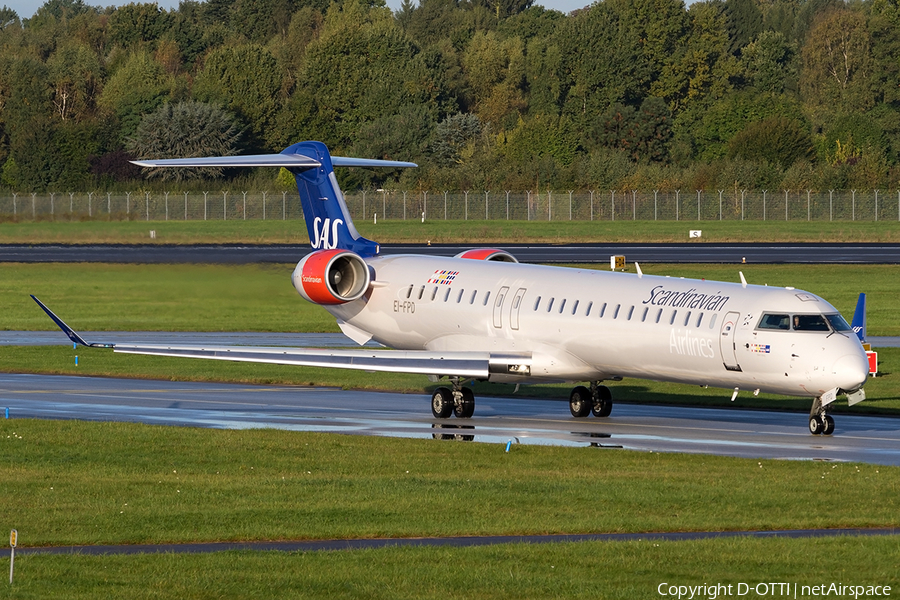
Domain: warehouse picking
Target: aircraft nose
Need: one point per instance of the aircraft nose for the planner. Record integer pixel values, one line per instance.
(851, 371)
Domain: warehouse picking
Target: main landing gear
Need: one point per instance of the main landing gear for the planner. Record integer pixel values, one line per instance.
(597, 400)
(459, 401)
(820, 423)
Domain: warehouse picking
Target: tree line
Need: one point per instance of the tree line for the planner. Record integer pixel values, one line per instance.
(483, 94)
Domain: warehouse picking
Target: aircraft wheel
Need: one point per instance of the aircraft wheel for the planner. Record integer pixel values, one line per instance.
(815, 425)
(580, 402)
(466, 406)
(603, 403)
(441, 403)
(828, 428)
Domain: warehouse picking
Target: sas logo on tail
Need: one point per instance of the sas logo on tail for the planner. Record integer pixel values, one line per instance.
(326, 239)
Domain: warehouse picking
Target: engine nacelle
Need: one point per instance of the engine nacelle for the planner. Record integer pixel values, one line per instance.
(331, 277)
(488, 254)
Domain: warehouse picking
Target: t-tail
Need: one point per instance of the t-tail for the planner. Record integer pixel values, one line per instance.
(859, 318)
(328, 221)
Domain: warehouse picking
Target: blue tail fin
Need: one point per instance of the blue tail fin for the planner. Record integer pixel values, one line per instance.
(327, 218)
(859, 319)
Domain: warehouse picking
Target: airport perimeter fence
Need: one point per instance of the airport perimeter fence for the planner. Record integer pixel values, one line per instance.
(610, 205)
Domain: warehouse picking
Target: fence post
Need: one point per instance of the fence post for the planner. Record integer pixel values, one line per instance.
(876, 206)
(108, 203)
(33, 214)
(467, 204)
(51, 203)
(807, 205)
(764, 204)
(613, 203)
(284, 206)
(424, 204)
(570, 204)
(592, 205)
(549, 205)
(147, 205)
(167, 206)
(383, 203)
(528, 206)
(853, 200)
(698, 204)
(364, 204)
(264, 204)
(634, 205)
(742, 204)
(91, 198)
(507, 205)
(786, 204)
(15, 209)
(677, 205)
(655, 192)
(205, 198)
(71, 202)
(720, 204)
(224, 206)
(486, 205)
(831, 205)
(185, 206)
(445, 205)
(404, 205)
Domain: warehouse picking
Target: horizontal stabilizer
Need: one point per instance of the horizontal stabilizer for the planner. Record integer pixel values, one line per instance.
(269, 160)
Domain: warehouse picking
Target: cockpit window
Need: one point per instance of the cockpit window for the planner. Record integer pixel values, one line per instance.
(838, 323)
(775, 321)
(810, 323)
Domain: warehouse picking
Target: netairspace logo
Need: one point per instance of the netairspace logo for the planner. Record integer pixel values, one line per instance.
(772, 590)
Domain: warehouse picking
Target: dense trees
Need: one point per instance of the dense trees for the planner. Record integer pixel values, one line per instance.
(486, 94)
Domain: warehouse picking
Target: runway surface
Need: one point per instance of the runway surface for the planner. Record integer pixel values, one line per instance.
(700, 252)
(501, 421)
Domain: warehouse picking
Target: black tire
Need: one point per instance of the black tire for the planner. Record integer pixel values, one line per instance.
(828, 428)
(603, 403)
(815, 425)
(442, 403)
(580, 402)
(466, 407)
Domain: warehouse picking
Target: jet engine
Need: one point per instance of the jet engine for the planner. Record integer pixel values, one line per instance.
(331, 277)
(488, 254)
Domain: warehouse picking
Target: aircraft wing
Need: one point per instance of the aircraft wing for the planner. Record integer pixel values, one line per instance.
(460, 364)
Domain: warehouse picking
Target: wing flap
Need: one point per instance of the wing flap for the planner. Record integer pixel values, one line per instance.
(460, 364)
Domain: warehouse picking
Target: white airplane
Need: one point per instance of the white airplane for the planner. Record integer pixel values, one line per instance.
(482, 316)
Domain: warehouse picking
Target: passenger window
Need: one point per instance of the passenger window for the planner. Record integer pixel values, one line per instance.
(472, 299)
(712, 322)
(775, 321)
(499, 300)
(550, 304)
(810, 323)
(487, 297)
(562, 305)
(421, 291)
(516, 302)
(459, 298)
(687, 318)
(616, 313)
(434, 293)
(672, 320)
(602, 310)
(574, 308)
(537, 303)
(447, 295)
(659, 315)
(587, 313)
(409, 292)
(644, 315)
(630, 312)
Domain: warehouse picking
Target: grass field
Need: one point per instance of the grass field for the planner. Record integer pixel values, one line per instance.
(90, 483)
(456, 232)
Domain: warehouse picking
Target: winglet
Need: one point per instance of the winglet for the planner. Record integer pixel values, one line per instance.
(859, 318)
(73, 335)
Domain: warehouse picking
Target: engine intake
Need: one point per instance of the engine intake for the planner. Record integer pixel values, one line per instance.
(488, 254)
(331, 277)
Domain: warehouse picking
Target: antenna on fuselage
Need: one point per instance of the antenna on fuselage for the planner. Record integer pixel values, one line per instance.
(743, 281)
(638, 267)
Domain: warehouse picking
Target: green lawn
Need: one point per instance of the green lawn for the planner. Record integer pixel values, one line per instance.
(454, 232)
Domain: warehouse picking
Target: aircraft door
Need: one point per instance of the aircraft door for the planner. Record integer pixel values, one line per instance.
(726, 341)
(498, 307)
(514, 308)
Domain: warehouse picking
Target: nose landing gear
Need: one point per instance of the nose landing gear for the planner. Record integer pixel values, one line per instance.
(820, 423)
